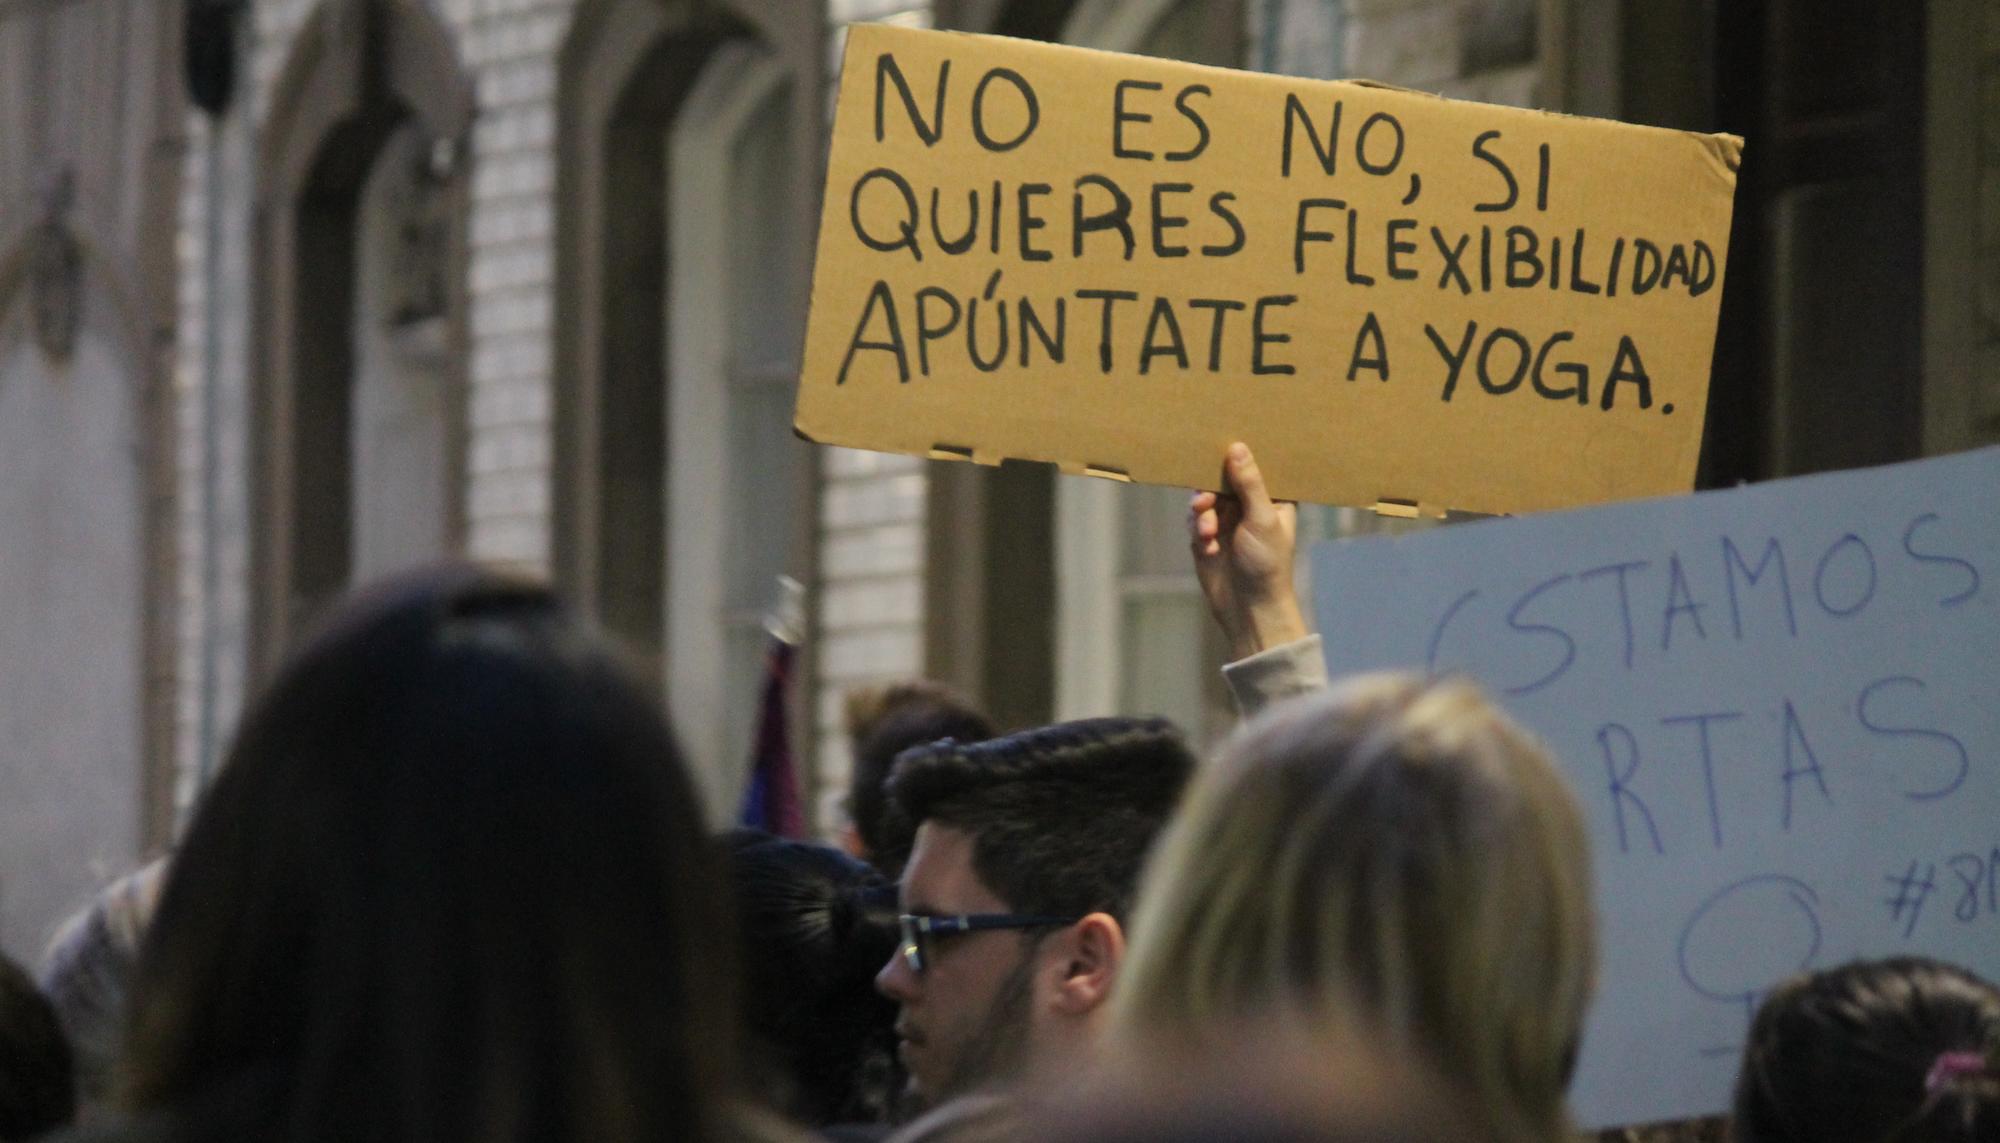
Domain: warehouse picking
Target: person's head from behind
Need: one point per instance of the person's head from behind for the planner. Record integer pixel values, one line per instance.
(883, 722)
(1038, 837)
(1261, 1082)
(1893, 1051)
(816, 926)
(451, 884)
(37, 1086)
(1392, 861)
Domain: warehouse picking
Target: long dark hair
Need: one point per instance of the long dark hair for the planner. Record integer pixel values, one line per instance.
(1876, 1051)
(37, 1079)
(451, 885)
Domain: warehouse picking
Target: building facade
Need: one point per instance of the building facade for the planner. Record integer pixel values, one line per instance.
(526, 280)
(297, 292)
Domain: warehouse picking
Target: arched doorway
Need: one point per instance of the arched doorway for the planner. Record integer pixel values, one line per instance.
(361, 329)
(687, 189)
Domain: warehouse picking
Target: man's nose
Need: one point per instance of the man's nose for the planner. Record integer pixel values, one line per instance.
(896, 981)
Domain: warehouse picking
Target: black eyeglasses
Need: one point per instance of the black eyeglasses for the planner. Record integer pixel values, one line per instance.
(919, 928)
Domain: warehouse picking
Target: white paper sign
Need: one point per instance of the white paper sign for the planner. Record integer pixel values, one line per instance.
(1779, 707)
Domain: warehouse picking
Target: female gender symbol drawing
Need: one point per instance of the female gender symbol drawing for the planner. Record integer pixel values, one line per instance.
(1747, 936)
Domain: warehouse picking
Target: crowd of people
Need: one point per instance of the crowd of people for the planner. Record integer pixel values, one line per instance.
(453, 885)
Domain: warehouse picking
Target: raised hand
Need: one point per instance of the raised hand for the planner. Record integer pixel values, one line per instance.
(1244, 543)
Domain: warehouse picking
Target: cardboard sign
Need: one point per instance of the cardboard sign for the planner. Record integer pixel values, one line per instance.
(1119, 265)
(1777, 706)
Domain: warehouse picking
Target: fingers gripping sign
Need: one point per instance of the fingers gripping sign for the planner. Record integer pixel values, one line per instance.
(1244, 543)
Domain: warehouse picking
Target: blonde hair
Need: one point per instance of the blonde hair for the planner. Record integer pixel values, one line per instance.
(1395, 860)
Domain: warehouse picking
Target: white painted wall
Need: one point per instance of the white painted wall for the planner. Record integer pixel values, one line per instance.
(397, 454)
(71, 631)
(729, 489)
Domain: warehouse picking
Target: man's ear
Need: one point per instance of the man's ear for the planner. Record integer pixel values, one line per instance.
(1089, 955)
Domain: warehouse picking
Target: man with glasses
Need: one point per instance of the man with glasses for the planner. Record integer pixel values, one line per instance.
(1028, 851)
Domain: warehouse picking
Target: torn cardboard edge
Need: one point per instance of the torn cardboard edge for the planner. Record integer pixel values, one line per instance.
(1391, 506)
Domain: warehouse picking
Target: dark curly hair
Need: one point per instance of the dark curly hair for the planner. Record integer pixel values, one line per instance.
(816, 926)
(1854, 1054)
(1062, 816)
(909, 714)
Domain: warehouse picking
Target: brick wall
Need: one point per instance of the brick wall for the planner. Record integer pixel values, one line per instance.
(211, 389)
(510, 48)
(871, 618)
